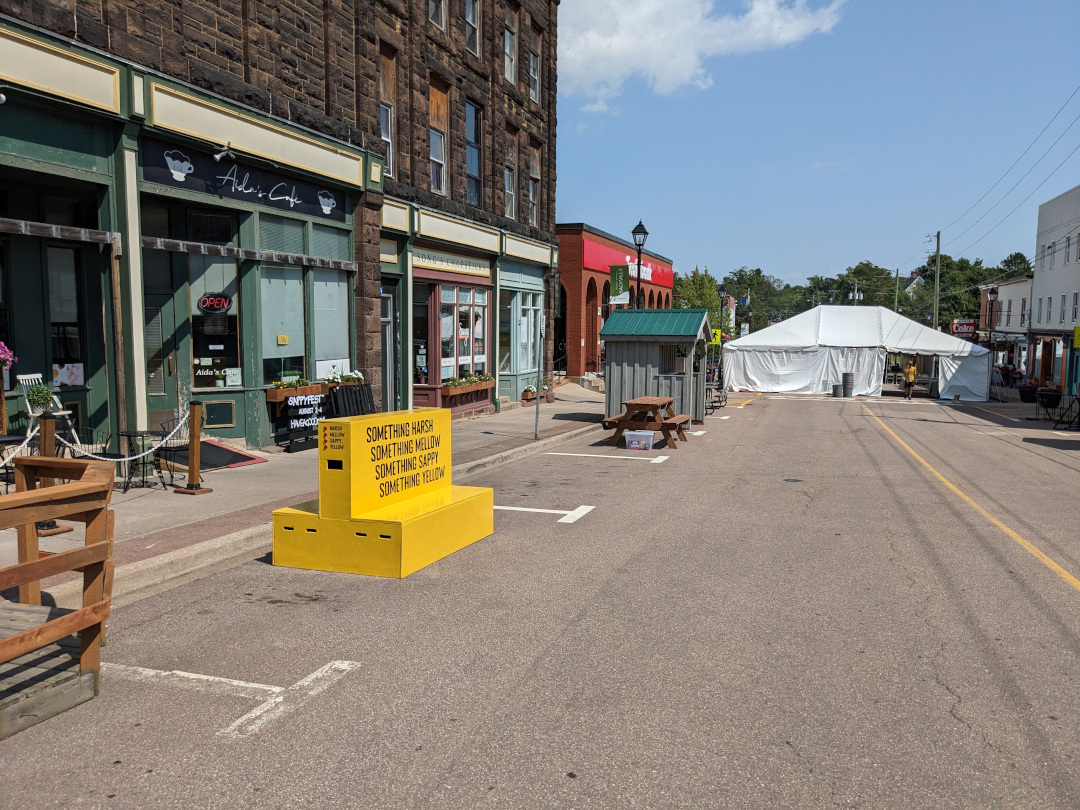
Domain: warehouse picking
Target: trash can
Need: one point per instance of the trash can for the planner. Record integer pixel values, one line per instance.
(838, 390)
(849, 383)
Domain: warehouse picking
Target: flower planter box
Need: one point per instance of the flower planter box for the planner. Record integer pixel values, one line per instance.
(1048, 397)
(282, 394)
(461, 390)
(528, 395)
(1027, 394)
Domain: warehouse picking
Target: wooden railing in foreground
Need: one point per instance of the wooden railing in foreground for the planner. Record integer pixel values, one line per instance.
(84, 500)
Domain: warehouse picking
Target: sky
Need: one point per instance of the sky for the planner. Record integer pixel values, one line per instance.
(805, 136)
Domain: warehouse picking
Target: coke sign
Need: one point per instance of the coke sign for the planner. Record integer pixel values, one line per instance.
(963, 328)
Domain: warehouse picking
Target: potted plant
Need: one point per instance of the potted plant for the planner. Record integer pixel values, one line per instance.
(1027, 391)
(39, 398)
(293, 387)
(470, 383)
(528, 393)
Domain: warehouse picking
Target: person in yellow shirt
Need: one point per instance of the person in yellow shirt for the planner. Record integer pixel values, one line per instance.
(909, 379)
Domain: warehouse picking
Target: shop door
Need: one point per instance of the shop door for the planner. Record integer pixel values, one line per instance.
(389, 349)
(162, 368)
(1073, 372)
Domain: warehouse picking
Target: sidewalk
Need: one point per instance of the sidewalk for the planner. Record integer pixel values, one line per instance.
(162, 536)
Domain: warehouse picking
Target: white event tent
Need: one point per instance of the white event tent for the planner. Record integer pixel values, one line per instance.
(809, 353)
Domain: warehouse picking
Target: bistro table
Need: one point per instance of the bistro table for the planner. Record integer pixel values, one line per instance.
(649, 413)
(137, 441)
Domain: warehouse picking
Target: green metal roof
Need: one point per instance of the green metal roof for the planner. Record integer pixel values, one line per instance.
(689, 323)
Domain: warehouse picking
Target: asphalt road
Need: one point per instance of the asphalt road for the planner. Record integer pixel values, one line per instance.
(792, 611)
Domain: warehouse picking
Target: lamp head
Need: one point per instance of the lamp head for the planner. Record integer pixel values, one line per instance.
(992, 294)
(640, 235)
(224, 153)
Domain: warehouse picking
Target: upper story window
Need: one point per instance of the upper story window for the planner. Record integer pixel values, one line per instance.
(1053, 249)
(534, 65)
(436, 13)
(1042, 258)
(1008, 313)
(1076, 301)
(534, 186)
(1023, 311)
(473, 186)
(386, 109)
(510, 47)
(1038, 314)
(472, 26)
(438, 119)
(1062, 320)
(1068, 244)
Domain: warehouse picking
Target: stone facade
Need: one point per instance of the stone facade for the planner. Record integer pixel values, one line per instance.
(315, 64)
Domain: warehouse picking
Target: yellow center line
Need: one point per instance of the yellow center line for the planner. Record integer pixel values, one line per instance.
(1020, 541)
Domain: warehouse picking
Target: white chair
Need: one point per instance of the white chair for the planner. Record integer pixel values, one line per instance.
(28, 381)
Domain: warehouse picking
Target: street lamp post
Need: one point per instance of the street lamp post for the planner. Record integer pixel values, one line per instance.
(640, 235)
(991, 297)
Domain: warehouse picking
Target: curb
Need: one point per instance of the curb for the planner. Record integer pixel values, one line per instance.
(136, 576)
(154, 574)
(473, 467)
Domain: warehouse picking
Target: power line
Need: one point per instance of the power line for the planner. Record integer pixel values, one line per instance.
(983, 197)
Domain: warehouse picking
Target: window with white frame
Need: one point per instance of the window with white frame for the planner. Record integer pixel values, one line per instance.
(463, 324)
(510, 177)
(1062, 309)
(528, 324)
(1038, 315)
(472, 26)
(510, 47)
(386, 109)
(534, 186)
(473, 184)
(1008, 313)
(1023, 311)
(437, 116)
(436, 13)
(534, 65)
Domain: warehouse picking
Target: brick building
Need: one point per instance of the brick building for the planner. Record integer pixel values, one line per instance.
(586, 257)
(222, 181)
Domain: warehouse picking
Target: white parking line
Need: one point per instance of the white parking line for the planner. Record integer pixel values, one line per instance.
(698, 433)
(656, 460)
(717, 417)
(1063, 433)
(570, 516)
(277, 700)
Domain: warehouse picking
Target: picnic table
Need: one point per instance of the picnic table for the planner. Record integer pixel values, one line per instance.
(649, 413)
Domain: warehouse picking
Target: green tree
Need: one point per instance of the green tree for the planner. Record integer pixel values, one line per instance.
(1014, 265)
(697, 291)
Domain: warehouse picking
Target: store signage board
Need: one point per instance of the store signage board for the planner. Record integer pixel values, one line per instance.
(962, 327)
(620, 284)
(1076, 337)
(192, 170)
(600, 257)
(450, 262)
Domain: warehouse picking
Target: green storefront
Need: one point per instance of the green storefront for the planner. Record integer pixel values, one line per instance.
(159, 244)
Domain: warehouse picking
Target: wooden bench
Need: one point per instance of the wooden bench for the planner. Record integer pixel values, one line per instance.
(611, 421)
(678, 424)
(44, 667)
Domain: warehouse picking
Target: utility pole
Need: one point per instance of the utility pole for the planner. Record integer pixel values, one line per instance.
(855, 296)
(937, 279)
(896, 295)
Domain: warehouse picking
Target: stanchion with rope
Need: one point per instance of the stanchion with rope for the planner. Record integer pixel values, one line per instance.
(194, 444)
(47, 448)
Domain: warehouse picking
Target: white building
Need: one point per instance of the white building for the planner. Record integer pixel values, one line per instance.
(1010, 320)
(1055, 290)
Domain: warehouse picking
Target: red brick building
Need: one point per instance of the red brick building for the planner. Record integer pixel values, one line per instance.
(586, 255)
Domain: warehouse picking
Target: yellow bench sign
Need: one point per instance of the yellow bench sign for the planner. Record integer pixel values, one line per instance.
(387, 505)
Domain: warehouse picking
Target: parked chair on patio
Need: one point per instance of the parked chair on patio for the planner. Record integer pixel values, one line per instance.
(172, 454)
(63, 416)
(89, 442)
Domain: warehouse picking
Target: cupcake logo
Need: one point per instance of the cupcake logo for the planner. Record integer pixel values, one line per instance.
(178, 164)
(327, 202)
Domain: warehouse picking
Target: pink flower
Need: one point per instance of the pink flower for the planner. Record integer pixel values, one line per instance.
(7, 356)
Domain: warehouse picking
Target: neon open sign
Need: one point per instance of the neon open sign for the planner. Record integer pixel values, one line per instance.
(215, 302)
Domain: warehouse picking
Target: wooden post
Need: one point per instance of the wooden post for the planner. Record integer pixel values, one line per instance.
(47, 444)
(194, 443)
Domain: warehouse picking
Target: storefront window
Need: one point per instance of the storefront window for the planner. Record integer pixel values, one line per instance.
(281, 318)
(505, 315)
(527, 326)
(420, 334)
(463, 331)
(64, 316)
(331, 321)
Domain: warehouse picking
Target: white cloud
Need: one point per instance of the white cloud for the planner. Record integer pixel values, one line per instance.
(602, 43)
